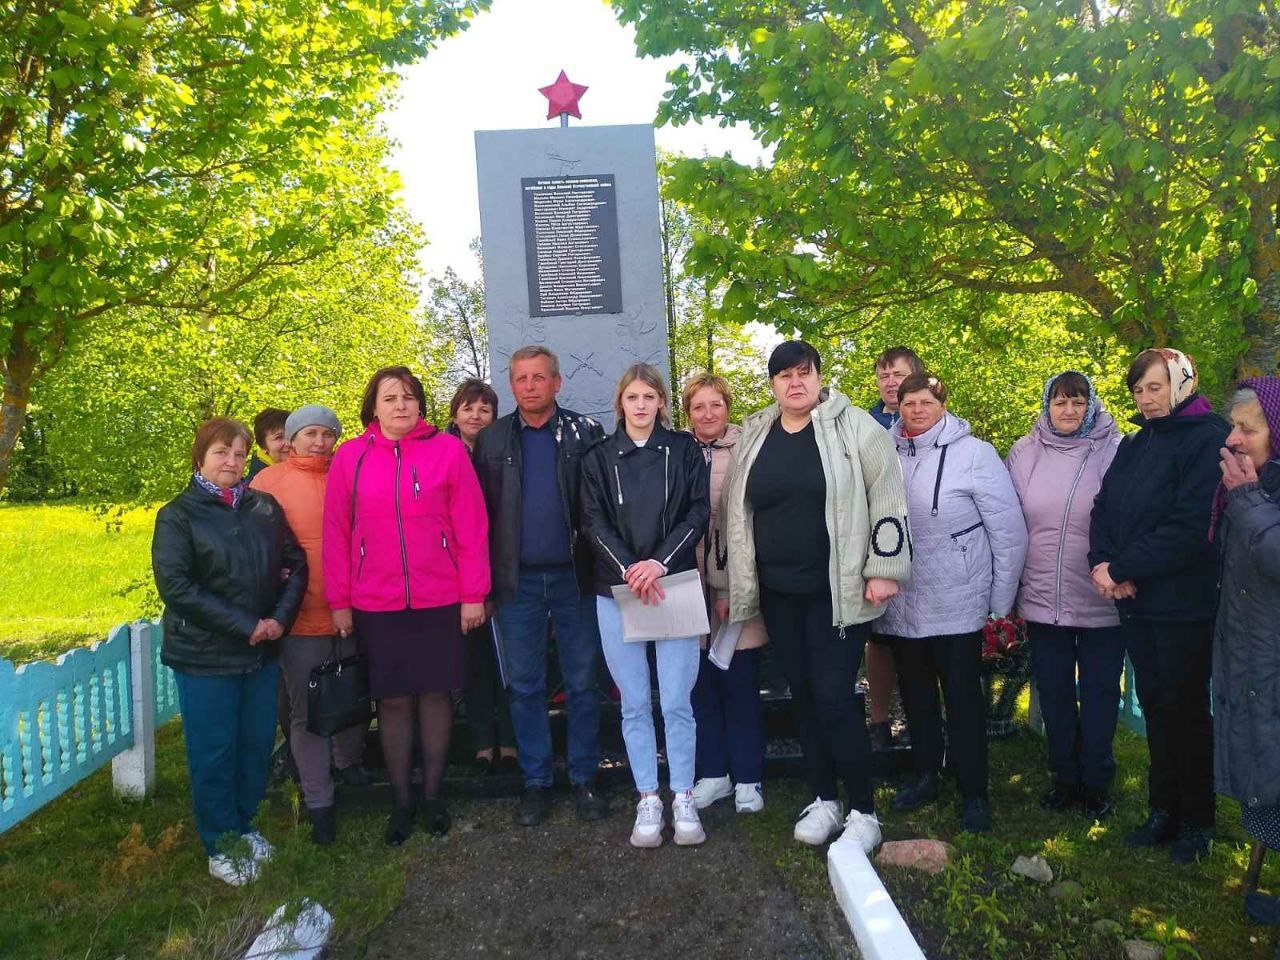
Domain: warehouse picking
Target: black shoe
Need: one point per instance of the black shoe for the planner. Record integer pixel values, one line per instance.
(1192, 844)
(355, 776)
(399, 826)
(881, 736)
(435, 816)
(533, 807)
(917, 793)
(507, 767)
(975, 817)
(1095, 804)
(1262, 909)
(1159, 829)
(1061, 796)
(323, 828)
(484, 766)
(589, 802)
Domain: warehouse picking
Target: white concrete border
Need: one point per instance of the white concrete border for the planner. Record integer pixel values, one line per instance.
(881, 932)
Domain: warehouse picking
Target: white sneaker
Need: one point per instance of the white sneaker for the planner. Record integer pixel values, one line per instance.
(748, 798)
(235, 871)
(819, 822)
(710, 789)
(262, 850)
(684, 818)
(862, 829)
(647, 831)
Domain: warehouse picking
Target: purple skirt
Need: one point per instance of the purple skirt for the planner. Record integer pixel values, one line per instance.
(412, 651)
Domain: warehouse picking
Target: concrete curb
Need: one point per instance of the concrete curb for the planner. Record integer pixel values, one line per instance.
(881, 932)
(302, 938)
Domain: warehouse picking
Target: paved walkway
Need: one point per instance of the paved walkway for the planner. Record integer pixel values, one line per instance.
(573, 890)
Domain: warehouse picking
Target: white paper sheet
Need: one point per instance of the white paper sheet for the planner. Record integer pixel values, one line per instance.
(724, 643)
(682, 613)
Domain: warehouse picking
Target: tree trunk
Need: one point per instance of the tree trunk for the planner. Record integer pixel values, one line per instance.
(19, 372)
(1261, 356)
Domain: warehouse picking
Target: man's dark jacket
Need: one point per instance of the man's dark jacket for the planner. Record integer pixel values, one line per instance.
(644, 503)
(498, 462)
(219, 571)
(1150, 519)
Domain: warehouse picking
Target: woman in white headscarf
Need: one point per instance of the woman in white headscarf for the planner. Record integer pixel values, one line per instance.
(1147, 552)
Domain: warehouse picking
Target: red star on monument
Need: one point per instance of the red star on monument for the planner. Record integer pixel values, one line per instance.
(562, 97)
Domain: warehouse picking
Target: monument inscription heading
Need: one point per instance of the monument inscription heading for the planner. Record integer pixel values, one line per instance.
(571, 245)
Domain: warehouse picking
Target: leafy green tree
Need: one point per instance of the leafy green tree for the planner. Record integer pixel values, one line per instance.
(1122, 156)
(119, 412)
(141, 138)
(457, 331)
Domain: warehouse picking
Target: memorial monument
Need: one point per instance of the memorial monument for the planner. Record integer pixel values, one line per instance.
(569, 226)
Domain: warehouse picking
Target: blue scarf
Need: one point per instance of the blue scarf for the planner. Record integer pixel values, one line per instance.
(230, 497)
(1090, 412)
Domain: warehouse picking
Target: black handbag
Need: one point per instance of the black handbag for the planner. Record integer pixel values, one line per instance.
(338, 693)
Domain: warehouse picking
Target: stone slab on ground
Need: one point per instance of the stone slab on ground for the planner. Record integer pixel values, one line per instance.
(930, 856)
(569, 889)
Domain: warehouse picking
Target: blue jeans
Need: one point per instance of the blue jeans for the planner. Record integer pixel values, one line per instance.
(543, 592)
(677, 672)
(726, 706)
(229, 726)
(1078, 726)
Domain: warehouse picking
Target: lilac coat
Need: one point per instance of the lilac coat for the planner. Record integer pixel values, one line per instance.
(1057, 479)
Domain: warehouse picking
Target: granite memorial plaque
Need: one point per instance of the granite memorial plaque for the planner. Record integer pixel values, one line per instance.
(571, 245)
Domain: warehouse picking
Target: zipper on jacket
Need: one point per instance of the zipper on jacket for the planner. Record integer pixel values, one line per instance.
(413, 473)
(683, 541)
(404, 554)
(836, 599)
(617, 478)
(605, 547)
(666, 492)
(969, 529)
(444, 542)
(360, 566)
(1062, 537)
(937, 483)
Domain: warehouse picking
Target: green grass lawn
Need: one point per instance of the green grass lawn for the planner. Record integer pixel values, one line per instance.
(1136, 889)
(68, 574)
(94, 876)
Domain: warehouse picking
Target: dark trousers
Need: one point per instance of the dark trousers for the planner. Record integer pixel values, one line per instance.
(822, 668)
(955, 662)
(488, 713)
(726, 709)
(1079, 722)
(229, 725)
(1171, 667)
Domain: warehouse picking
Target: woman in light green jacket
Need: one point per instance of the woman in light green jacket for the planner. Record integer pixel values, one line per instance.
(814, 521)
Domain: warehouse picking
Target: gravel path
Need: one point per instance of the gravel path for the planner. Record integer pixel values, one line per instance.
(569, 889)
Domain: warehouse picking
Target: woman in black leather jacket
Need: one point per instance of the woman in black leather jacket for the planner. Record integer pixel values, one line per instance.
(644, 508)
(231, 576)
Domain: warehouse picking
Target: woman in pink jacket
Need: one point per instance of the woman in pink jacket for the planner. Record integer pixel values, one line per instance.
(406, 560)
(1057, 470)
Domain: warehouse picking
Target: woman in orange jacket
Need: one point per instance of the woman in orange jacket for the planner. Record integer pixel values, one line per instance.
(298, 484)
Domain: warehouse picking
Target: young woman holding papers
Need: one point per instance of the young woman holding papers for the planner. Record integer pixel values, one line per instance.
(644, 508)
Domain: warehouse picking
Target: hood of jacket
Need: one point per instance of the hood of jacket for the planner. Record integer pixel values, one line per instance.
(946, 431)
(1057, 478)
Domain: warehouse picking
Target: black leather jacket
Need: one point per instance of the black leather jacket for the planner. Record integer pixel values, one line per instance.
(644, 503)
(497, 460)
(219, 571)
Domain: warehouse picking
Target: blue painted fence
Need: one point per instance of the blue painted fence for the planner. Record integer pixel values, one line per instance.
(61, 720)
